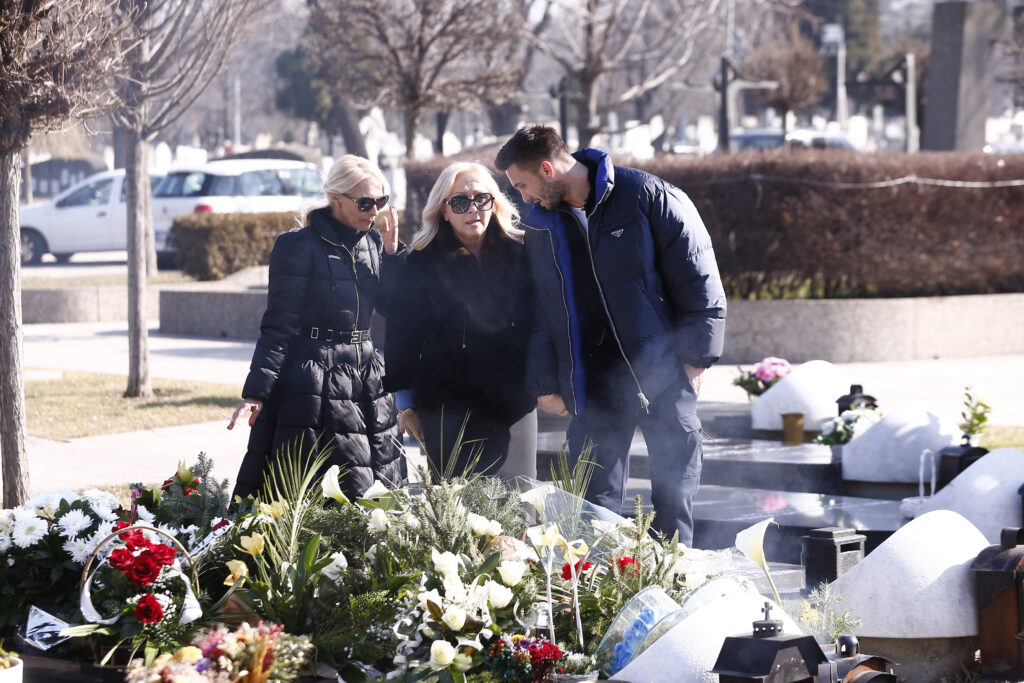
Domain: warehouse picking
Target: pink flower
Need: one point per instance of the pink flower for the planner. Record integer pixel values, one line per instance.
(772, 369)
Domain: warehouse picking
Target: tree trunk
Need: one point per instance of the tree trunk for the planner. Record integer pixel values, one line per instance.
(410, 116)
(442, 126)
(147, 216)
(505, 117)
(28, 176)
(348, 125)
(136, 180)
(587, 122)
(12, 386)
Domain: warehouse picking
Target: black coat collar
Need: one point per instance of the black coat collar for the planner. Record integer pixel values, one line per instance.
(332, 230)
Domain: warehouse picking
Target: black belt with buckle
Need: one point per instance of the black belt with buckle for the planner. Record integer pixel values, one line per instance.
(337, 336)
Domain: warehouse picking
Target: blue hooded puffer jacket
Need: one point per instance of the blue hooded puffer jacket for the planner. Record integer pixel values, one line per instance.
(657, 275)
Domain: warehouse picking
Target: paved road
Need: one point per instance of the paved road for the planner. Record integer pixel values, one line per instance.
(151, 455)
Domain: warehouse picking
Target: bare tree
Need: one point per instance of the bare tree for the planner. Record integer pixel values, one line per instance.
(418, 55)
(534, 17)
(794, 63)
(175, 48)
(58, 61)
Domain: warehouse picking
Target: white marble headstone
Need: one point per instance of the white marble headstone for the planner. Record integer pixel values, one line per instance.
(918, 583)
(985, 493)
(890, 450)
(688, 652)
(811, 388)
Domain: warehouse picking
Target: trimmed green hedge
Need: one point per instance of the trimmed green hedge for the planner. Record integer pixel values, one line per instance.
(784, 226)
(213, 245)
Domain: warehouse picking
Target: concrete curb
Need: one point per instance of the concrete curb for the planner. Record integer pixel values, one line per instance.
(82, 304)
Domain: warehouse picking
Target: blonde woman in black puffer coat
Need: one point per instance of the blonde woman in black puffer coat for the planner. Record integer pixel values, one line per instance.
(315, 379)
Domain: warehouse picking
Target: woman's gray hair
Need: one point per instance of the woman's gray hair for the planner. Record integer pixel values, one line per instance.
(433, 213)
(347, 172)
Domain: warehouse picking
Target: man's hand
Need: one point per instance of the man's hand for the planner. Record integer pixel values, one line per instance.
(552, 403)
(389, 231)
(694, 375)
(409, 423)
(253, 405)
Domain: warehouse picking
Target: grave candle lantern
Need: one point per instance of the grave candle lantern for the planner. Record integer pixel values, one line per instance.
(855, 399)
(998, 576)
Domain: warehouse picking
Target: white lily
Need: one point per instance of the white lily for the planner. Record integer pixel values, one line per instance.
(750, 542)
(330, 485)
(375, 491)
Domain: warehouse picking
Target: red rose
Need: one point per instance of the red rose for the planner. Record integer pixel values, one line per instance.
(162, 553)
(149, 611)
(136, 541)
(143, 570)
(581, 567)
(121, 559)
(191, 492)
(167, 484)
(625, 562)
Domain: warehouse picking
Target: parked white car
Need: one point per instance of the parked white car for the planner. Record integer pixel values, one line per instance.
(91, 216)
(232, 186)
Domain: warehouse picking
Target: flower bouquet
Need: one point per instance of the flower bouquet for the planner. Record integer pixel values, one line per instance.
(249, 654)
(766, 373)
(638, 618)
(850, 424)
(149, 602)
(518, 658)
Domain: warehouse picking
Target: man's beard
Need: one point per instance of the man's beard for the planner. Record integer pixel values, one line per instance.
(553, 193)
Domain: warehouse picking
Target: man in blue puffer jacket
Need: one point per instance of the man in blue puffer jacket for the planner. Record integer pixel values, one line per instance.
(631, 311)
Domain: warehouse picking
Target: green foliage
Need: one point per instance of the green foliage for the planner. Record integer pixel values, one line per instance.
(356, 627)
(823, 614)
(191, 497)
(491, 497)
(213, 245)
(975, 413)
(304, 91)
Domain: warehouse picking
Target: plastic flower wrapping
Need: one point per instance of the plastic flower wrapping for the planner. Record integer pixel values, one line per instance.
(848, 426)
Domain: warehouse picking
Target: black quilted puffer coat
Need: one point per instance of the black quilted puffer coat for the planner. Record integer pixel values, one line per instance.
(325, 281)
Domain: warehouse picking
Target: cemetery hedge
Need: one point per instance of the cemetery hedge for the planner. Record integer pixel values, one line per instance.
(783, 229)
(210, 246)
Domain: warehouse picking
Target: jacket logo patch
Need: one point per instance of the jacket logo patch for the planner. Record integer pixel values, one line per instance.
(617, 233)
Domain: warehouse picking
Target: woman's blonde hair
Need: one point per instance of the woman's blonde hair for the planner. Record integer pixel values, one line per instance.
(433, 213)
(347, 172)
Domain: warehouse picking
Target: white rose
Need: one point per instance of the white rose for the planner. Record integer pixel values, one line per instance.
(478, 523)
(494, 528)
(462, 662)
(379, 520)
(511, 572)
(497, 595)
(442, 654)
(828, 427)
(454, 618)
(445, 563)
(432, 595)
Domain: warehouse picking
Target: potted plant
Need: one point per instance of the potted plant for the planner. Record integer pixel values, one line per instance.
(12, 669)
(973, 417)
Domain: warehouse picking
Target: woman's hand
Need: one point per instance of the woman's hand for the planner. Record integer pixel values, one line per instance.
(552, 403)
(389, 231)
(409, 423)
(254, 405)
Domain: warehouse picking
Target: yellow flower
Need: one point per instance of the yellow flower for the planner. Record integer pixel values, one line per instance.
(252, 545)
(273, 510)
(188, 654)
(238, 569)
(542, 536)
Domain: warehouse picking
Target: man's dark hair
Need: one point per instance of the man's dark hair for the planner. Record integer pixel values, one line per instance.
(530, 146)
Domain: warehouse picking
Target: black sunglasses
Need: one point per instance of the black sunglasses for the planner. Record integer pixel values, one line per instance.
(460, 203)
(364, 204)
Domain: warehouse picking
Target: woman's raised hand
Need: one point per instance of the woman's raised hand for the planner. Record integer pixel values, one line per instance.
(254, 405)
(389, 231)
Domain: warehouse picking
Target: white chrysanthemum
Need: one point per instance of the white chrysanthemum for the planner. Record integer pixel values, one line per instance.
(5, 542)
(22, 512)
(104, 513)
(144, 514)
(6, 521)
(41, 501)
(79, 549)
(28, 531)
(105, 499)
(73, 522)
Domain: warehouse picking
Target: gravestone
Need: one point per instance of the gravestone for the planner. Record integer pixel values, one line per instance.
(963, 34)
(985, 493)
(811, 388)
(890, 450)
(914, 595)
(692, 646)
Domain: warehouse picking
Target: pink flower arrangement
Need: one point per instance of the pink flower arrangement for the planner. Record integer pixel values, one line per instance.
(766, 373)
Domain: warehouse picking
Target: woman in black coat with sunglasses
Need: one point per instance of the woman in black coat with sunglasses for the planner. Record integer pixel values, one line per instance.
(315, 381)
(460, 318)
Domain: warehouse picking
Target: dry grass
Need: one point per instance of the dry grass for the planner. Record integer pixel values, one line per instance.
(172, 277)
(88, 404)
(996, 436)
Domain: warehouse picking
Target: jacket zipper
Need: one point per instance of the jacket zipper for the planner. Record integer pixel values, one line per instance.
(644, 403)
(565, 305)
(355, 284)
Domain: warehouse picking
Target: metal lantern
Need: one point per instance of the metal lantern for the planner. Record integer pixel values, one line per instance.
(998, 576)
(856, 399)
(955, 459)
(768, 655)
(829, 553)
